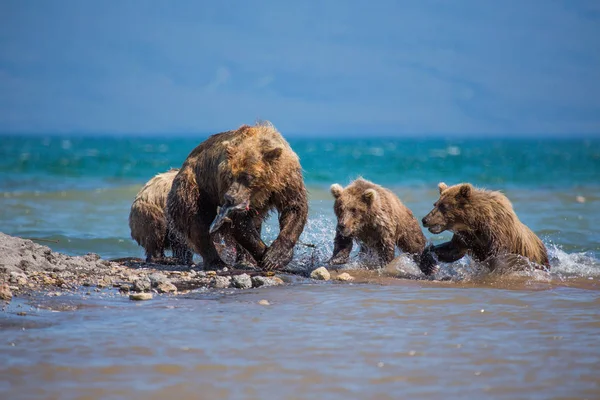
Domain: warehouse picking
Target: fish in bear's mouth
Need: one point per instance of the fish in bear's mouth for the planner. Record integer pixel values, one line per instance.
(224, 212)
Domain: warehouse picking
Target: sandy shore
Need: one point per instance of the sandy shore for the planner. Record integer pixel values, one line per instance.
(27, 267)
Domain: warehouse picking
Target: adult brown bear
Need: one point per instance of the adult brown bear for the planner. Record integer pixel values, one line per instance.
(246, 172)
(485, 226)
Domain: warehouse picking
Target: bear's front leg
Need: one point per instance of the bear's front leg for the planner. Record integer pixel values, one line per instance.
(387, 250)
(342, 247)
(292, 218)
(446, 252)
(247, 235)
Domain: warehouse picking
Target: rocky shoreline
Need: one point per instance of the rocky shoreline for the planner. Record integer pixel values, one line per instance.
(27, 267)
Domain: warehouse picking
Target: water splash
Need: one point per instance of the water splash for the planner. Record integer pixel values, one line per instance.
(565, 265)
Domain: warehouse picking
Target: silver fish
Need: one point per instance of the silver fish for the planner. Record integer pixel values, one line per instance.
(223, 216)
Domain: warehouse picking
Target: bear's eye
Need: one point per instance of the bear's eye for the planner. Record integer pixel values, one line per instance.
(442, 208)
(246, 178)
(352, 210)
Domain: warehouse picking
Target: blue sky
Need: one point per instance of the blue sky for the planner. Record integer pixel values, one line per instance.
(311, 67)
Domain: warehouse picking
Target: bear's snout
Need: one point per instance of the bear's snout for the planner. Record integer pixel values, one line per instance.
(424, 220)
(343, 229)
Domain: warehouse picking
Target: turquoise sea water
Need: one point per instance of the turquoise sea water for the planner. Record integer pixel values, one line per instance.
(78, 190)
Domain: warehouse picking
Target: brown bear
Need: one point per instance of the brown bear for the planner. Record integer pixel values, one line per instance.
(148, 223)
(485, 226)
(377, 219)
(245, 173)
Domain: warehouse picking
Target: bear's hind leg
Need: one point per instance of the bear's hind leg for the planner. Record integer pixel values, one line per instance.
(154, 253)
(181, 252)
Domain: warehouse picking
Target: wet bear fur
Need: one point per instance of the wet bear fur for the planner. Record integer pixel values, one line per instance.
(148, 223)
(485, 226)
(377, 219)
(252, 168)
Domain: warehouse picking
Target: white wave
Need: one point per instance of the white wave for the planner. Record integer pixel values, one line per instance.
(573, 264)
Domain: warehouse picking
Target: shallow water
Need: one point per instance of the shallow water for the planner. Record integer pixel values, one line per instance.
(410, 338)
(391, 334)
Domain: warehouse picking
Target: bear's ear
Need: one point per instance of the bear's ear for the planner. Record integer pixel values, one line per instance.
(336, 190)
(229, 149)
(442, 186)
(465, 191)
(272, 154)
(369, 196)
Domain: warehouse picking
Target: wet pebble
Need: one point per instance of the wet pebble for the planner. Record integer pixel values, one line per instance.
(242, 281)
(157, 278)
(345, 277)
(221, 282)
(198, 274)
(321, 273)
(142, 285)
(264, 302)
(18, 277)
(140, 296)
(5, 293)
(259, 281)
(166, 287)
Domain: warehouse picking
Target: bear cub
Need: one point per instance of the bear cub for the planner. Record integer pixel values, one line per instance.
(376, 218)
(485, 226)
(148, 223)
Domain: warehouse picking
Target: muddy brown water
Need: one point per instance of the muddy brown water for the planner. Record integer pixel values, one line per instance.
(379, 338)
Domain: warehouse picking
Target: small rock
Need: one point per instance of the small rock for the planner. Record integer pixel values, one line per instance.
(220, 282)
(211, 273)
(49, 281)
(258, 281)
(124, 288)
(321, 273)
(5, 293)
(18, 277)
(580, 199)
(22, 313)
(91, 257)
(142, 285)
(197, 274)
(264, 302)
(156, 279)
(105, 281)
(276, 281)
(140, 296)
(166, 287)
(242, 281)
(344, 276)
